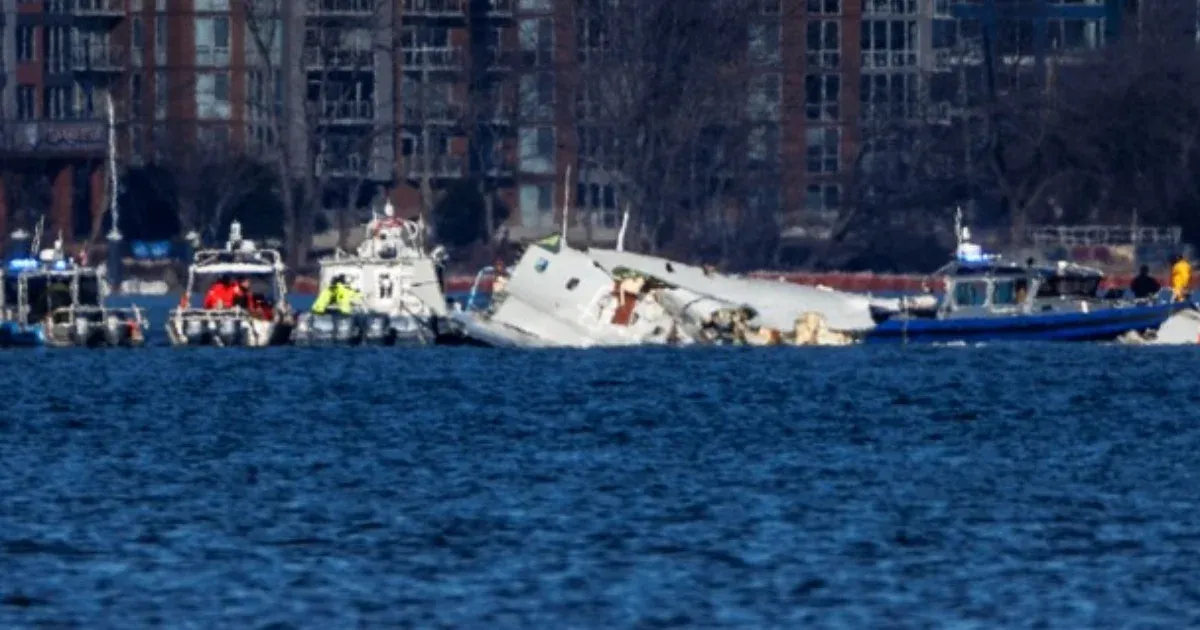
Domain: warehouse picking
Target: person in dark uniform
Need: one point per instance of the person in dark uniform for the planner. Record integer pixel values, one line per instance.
(1144, 285)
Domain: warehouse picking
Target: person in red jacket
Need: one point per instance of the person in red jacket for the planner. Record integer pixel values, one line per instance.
(220, 294)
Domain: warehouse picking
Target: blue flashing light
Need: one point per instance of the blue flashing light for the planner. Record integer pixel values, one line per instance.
(22, 264)
(60, 265)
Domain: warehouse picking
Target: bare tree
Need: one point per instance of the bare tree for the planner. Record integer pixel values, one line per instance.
(312, 117)
(663, 114)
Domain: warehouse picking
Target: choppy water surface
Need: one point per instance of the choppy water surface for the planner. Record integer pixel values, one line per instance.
(1037, 486)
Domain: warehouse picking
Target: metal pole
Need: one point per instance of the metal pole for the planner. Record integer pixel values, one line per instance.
(114, 257)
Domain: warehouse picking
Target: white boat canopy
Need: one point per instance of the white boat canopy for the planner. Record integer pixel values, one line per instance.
(234, 268)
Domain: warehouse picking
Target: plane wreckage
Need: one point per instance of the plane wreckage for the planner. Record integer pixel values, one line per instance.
(557, 296)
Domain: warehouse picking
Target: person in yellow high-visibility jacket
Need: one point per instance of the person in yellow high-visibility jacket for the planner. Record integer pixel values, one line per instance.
(340, 295)
(1181, 278)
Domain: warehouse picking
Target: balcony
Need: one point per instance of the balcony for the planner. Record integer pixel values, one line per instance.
(434, 114)
(435, 9)
(338, 59)
(433, 59)
(100, 57)
(434, 167)
(108, 9)
(342, 165)
(341, 8)
(55, 137)
(498, 167)
(500, 9)
(348, 113)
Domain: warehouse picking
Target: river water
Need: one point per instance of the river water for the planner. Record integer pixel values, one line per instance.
(1019, 486)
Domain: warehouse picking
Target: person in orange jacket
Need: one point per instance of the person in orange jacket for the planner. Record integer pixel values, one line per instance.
(220, 294)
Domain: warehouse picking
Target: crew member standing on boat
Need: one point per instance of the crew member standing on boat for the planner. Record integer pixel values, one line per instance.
(240, 293)
(1144, 285)
(220, 294)
(339, 294)
(1181, 277)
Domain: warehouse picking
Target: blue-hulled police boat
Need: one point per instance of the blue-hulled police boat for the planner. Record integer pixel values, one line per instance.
(53, 301)
(988, 299)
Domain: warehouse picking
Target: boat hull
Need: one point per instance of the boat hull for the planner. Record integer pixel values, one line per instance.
(74, 333)
(335, 329)
(225, 329)
(14, 335)
(1097, 325)
(469, 329)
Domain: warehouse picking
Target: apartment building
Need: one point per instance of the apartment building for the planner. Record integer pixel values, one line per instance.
(169, 66)
(407, 96)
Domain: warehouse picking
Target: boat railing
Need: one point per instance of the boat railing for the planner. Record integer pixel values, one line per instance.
(70, 314)
(475, 286)
(217, 315)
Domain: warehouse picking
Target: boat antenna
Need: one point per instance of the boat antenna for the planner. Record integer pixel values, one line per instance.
(958, 227)
(624, 226)
(566, 205)
(114, 234)
(36, 246)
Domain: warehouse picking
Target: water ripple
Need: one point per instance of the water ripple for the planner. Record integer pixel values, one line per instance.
(1040, 486)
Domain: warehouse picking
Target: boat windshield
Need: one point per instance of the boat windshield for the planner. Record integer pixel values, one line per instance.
(970, 292)
(1069, 286)
(10, 291)
(1009, 291)
(45, 294)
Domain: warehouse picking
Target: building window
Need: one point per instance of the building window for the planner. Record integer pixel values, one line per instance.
(763, 145)
(824, 7)
(766, 96)
(57, 105)
(212, 95)
(889, 94)
(537, 205)
(160, 40)
(595, 144)
(135, 95)
(600, 203)
(1075, 34)
(26, 102)
(137, 33)
(823, 199)
(535, 5)
(537, 97)
(160, 94)
(890, 7)
(537, 41)
(411, 38)
(537, 150)
(823, 41)
(212, 41)
(765, 42)
(211, 5)
(57, 53)
(889, 43)
(26, 49)
(822, 145)
(822, 96)
(593, 39)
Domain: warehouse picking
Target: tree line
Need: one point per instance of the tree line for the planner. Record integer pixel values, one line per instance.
(669, 110)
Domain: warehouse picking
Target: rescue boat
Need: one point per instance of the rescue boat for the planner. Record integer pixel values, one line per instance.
(53, 301)
(399, 284)
(270, 323)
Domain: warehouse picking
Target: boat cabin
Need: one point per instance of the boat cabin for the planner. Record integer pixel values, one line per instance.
(991, 285)
(240, 260)
(35, 288)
